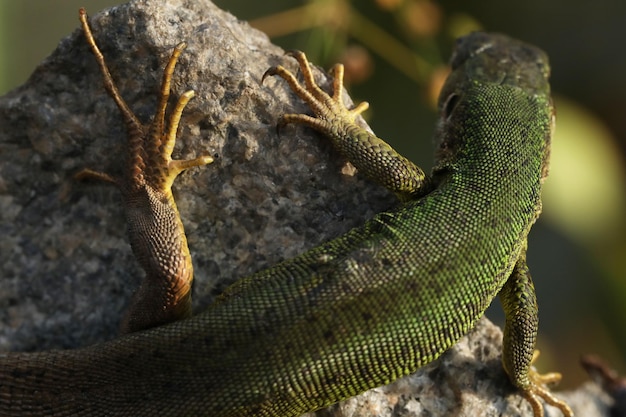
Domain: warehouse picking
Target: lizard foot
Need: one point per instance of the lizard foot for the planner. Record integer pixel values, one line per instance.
(327, 108)
(538, 390)
(150, 146)
(155, 230)
(372, 156)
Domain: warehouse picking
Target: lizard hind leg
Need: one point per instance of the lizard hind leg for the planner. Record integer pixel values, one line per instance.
(155, 229)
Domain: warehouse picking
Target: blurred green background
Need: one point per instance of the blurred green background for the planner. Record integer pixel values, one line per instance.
(395, 53)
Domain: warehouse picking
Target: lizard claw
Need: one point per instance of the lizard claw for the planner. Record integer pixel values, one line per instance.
(538, 390)
(327, 108)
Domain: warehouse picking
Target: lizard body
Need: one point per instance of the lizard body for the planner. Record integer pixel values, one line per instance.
(351, 314)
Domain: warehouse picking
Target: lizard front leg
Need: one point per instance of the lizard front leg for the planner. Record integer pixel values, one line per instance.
(520, 334)
(155, 230)
(372, 156)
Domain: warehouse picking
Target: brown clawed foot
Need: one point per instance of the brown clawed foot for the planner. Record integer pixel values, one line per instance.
(327, 108)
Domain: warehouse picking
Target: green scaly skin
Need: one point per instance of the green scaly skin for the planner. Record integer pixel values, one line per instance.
(361, 310)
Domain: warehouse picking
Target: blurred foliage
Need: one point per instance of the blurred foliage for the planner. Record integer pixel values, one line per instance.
(395, 53)
(342, 31)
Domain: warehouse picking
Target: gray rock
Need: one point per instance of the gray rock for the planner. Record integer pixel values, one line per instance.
(66, 267)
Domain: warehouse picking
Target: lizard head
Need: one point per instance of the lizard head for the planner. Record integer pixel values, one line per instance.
(496, 58)
(503, 83)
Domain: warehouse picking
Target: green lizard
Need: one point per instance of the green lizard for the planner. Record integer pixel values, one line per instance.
(351, 314)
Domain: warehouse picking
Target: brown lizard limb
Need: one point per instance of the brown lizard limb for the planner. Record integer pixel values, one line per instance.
(372, 156)
(155, 231)
(520, 306)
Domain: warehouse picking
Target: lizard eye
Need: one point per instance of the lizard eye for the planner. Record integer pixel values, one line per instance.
(451, 102)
